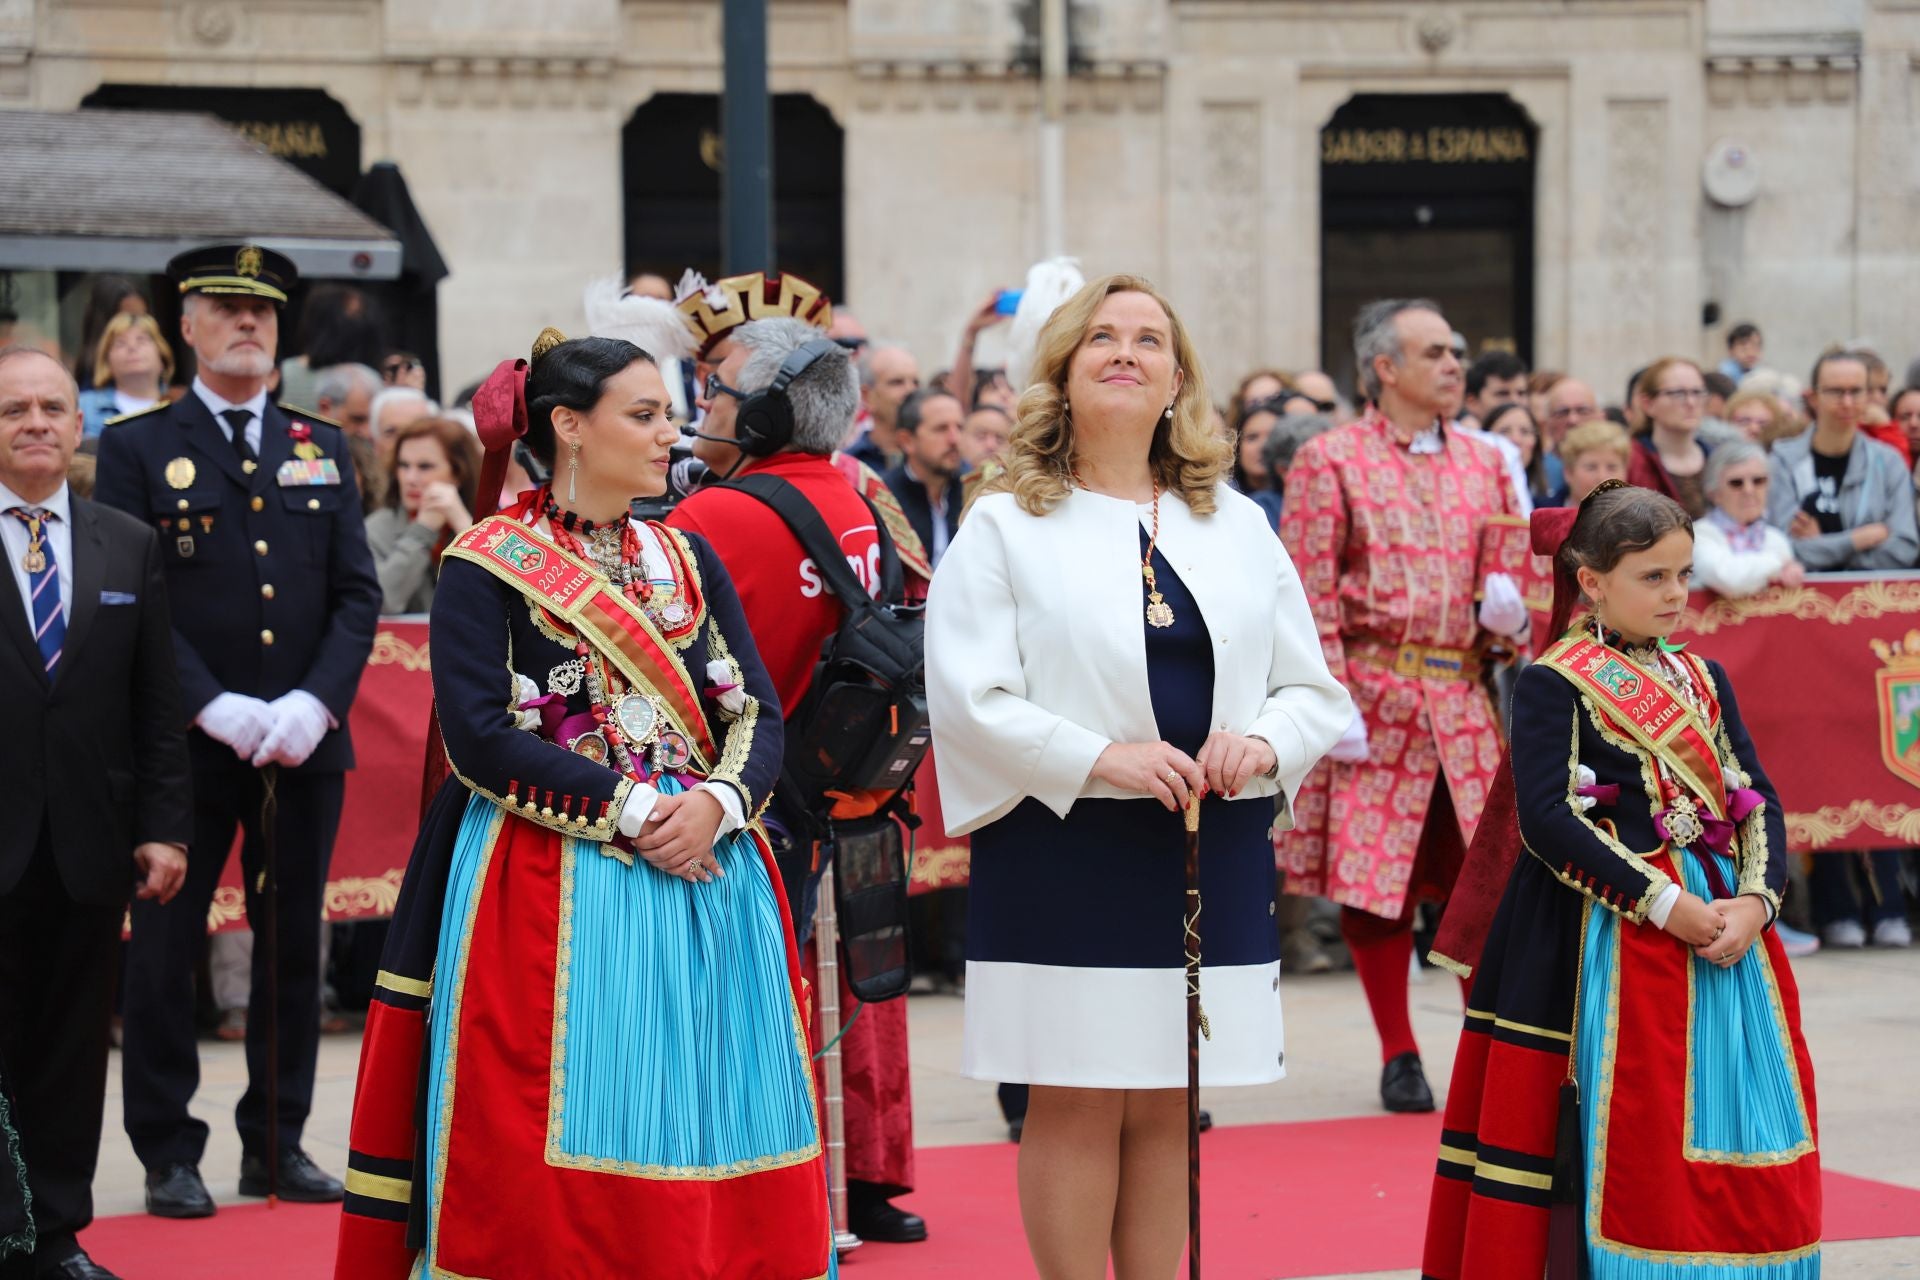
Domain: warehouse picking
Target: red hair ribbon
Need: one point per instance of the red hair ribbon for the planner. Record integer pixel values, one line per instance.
(500, 418)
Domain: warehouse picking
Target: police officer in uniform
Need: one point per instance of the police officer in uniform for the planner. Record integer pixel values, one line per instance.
(274, 607)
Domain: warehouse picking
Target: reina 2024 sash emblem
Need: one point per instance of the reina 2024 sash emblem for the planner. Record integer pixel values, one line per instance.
(1613, 675)
(512, 549)
(1897, 685)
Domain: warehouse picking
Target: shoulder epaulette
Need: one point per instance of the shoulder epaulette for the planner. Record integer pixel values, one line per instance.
(139, 413)
(307, 414)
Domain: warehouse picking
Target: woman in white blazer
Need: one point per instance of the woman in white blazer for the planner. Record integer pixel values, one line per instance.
(1112, 630)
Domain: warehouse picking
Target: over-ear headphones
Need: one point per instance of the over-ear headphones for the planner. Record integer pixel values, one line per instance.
(763, 424)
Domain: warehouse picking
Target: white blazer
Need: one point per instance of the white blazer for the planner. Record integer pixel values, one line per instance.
(1037, 659)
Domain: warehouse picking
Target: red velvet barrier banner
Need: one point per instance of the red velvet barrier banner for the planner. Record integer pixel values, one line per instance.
(1828, 680)
(1828, 677)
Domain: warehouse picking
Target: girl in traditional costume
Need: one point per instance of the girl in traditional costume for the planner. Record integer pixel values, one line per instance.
(1632, 1096)
(586, 1055)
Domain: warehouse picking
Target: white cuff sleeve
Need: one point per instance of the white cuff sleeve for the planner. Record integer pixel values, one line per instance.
(1663, 906)
(633, 814)
(733, 814)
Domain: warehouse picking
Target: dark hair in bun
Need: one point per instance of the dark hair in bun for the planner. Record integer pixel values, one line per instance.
(573, 373)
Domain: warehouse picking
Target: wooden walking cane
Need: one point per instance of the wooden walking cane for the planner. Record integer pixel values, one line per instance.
(1196, 1027)
(269, 937)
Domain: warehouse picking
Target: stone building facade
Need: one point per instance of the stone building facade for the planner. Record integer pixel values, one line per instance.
(1202, 143)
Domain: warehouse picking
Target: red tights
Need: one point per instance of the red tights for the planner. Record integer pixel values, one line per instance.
(1383, 957)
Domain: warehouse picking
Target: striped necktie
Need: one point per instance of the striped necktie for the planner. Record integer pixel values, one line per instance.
(43, 585)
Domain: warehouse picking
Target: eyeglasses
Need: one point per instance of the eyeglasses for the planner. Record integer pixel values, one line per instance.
(1689, 395)
(717, 388)
(1843, 393)
(1746, 482)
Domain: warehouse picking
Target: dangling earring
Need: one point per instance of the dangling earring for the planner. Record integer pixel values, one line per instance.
(573, 473)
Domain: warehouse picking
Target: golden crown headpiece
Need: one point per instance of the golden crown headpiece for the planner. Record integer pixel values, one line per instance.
(1902, 655)
(712, 310)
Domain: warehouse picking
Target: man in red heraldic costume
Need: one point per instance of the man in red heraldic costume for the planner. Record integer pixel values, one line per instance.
(1385, 518)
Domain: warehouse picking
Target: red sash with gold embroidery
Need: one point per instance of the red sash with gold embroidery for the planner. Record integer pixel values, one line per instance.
(1641, 705)
(571, 591)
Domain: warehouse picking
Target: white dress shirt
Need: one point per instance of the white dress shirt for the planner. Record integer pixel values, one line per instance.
(257, 406)
(58, 533)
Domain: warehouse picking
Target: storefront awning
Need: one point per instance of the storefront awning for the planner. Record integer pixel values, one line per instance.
(127, 190)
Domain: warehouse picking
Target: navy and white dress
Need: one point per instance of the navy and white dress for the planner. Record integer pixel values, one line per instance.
(1039, 657)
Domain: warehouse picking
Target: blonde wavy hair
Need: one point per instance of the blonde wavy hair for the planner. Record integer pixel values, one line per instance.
(1187, 455)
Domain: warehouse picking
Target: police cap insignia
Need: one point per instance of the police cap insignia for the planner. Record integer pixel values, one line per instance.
(243, 269)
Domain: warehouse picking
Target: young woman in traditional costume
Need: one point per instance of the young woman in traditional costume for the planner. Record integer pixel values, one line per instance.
(586, 1055)
(1632, 1098)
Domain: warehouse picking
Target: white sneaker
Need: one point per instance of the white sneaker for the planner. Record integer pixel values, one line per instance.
(1893, 932)
(1795, 943)
(1846, 935)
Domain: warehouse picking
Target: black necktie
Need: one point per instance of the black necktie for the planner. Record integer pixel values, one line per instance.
(238, 420)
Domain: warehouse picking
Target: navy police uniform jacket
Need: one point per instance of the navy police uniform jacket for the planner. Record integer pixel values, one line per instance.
(268, 573)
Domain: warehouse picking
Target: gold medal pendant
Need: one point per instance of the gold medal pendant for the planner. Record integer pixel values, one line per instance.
(35, 560)
(1159, 612)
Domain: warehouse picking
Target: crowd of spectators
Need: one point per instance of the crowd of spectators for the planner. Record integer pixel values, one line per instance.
(1783, 477)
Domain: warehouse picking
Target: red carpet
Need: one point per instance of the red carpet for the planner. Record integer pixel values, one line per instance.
(1308, 1199)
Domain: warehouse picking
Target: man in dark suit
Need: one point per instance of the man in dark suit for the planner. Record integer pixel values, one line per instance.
(96, 754)
(927, 481)
(274, 606)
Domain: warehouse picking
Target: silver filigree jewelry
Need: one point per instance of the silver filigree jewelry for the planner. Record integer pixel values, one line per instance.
(566, 678)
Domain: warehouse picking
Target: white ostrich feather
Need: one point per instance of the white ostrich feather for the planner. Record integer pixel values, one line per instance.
(1049, 284)
(653, 325)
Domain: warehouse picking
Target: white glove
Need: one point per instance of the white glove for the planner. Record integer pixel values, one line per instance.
(299, 722)
(1585, 777)
(1352, 747)
(1502, 611)
(524, 690)
(237, 720)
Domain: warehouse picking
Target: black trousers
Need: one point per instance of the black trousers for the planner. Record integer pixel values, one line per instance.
(59, 960)
(1831, 886)
(159, 1047)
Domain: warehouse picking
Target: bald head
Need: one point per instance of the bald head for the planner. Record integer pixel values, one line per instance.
(22, 351)
(1570, 403)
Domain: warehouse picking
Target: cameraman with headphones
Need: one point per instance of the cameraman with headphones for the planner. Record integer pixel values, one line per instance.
(779, 403)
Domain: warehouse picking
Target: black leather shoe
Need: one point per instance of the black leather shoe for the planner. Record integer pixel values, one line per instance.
(1403, 1085)
(879, 1221)
(1206, 1120)
(301, 1180)
(176, 1191)
(77, 1267)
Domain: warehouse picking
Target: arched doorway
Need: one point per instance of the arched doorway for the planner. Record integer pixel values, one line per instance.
(1428, 195)
(671, 155)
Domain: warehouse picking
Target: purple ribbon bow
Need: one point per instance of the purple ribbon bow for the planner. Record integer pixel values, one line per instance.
(552, 708)
(1602, 793)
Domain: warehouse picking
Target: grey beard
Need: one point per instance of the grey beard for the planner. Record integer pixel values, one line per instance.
(236, 364)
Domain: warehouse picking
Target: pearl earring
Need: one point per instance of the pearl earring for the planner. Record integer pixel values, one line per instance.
(1169, 413)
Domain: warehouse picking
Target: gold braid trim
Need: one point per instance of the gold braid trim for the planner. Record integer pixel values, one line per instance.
(738, 746)
(1752, 853)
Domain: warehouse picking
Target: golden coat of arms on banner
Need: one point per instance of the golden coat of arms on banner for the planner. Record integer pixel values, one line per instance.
(1897, 685)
